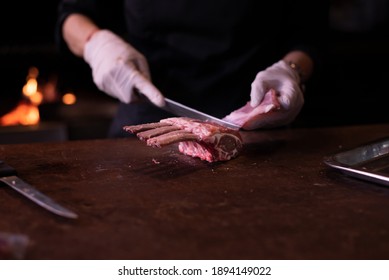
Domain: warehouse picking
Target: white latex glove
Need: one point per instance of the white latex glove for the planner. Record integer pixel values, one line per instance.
(118, 68)
(286, 82)
(276, 99)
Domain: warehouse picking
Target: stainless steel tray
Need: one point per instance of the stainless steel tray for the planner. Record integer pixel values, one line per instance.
(368, 162)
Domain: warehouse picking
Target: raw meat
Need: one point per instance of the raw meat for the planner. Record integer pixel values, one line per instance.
(205, 140)
(250, 118)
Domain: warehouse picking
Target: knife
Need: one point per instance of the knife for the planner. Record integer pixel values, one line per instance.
(185, 111)
(8, 176)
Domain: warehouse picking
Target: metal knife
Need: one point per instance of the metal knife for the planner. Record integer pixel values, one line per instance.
(8, 176)
(185, 111)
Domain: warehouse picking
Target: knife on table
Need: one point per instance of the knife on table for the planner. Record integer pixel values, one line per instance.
(185, 111)
(8, 177)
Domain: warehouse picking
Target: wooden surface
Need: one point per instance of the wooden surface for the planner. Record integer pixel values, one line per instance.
(277, 200)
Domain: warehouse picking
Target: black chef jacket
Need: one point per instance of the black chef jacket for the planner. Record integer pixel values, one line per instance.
(205, 53)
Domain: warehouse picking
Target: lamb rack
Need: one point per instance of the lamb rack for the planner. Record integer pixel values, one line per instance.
(206, 140)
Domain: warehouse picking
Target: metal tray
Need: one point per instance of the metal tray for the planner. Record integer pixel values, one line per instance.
(368, 162)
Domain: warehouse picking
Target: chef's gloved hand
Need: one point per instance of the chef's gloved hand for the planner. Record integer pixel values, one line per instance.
(119, 69)
(285, 81)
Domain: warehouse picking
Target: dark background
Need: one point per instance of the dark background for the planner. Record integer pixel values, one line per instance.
(351, 88)
(27, 40)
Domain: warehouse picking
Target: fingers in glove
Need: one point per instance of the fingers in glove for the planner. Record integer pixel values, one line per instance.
(144, 86)
(143, 67)
(258, 91)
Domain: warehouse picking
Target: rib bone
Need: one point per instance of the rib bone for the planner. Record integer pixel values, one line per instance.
(206, 140)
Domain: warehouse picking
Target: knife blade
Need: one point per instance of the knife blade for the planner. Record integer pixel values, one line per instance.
(185, 111)
(8, 177)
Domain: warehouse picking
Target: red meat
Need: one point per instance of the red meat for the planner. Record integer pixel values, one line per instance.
(205, 140)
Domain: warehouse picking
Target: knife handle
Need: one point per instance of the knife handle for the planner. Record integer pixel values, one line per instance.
(6, 170)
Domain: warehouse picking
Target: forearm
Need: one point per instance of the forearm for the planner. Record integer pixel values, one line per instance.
(76, 30)
(302, 63)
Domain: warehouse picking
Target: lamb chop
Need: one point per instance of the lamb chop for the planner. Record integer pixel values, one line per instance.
(206, 140)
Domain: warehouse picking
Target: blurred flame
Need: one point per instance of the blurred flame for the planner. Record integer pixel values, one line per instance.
(24, 114)
(27, 112)
(30, 87)
(36, 98)
(69, 98)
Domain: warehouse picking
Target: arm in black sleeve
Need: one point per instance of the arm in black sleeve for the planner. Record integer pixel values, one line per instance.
(307, 30)
(106, 14)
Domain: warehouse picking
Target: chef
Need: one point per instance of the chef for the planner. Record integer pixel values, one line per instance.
(216, 56)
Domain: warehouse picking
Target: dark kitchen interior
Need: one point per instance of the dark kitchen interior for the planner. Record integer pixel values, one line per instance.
(278, 200)
(350, 90)
(28, 42)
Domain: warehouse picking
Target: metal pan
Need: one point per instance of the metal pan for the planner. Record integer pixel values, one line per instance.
(368, 162)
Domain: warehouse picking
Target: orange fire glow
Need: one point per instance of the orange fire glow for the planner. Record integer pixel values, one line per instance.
(27, 112)
(69, 98)
(24, 114)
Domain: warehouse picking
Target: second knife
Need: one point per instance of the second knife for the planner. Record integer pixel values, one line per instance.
(8, 176)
